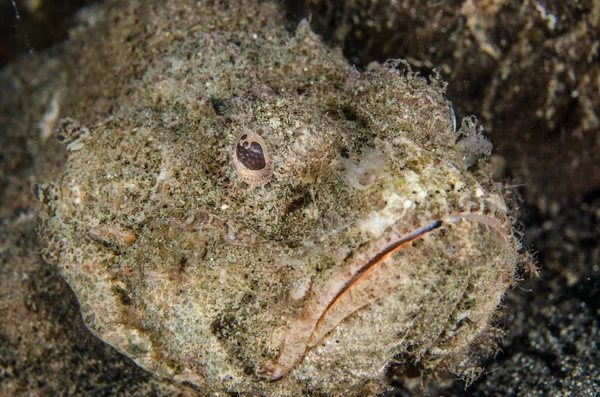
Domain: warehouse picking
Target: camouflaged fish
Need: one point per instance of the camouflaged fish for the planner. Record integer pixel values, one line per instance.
(245, 212)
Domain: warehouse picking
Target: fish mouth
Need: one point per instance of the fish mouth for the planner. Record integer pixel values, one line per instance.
(358, 283)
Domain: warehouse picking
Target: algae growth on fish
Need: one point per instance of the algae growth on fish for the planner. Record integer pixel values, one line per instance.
(244, 211)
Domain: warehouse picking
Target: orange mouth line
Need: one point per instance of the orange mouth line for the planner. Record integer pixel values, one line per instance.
(378, 258)
(318, 317)
(302, 332)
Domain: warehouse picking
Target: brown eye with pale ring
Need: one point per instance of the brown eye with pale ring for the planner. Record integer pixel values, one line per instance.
(252, 159)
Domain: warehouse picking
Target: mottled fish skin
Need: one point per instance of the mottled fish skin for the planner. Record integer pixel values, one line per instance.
(239, 201)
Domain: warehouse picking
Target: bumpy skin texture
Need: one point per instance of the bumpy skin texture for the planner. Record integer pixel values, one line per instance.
(181, 265)
(529, 70)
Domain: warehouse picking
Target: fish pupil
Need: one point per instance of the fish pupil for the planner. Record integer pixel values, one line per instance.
(251, 156)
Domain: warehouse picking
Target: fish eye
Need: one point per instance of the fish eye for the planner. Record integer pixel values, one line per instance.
(252, 159)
